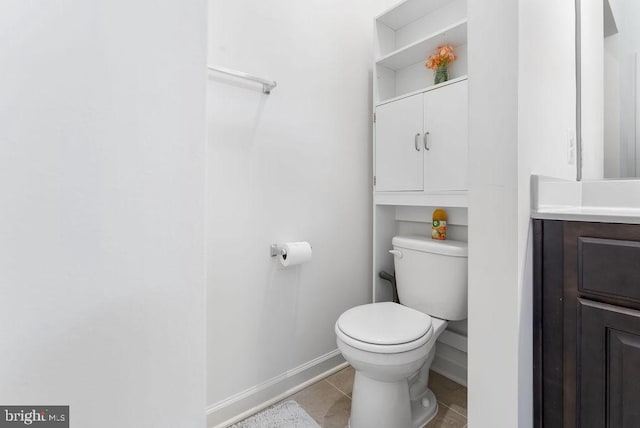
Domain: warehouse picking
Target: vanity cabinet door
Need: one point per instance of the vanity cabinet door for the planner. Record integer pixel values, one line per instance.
(601, 268)
(398, 151)
(445, 127)
(586, 325)
(609, 366)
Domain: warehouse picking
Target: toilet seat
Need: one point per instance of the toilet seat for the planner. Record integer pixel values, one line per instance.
(385, 327)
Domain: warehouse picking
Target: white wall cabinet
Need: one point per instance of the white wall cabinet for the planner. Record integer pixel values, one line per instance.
(445, 130)
(399, 159)
(420, 145)
(421, 141)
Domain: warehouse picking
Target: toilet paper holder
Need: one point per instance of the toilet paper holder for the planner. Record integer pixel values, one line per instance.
(279, 250)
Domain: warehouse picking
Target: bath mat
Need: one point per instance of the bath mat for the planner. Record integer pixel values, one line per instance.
(285, 415)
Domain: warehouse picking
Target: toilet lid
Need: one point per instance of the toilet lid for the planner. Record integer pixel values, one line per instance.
(385, 323)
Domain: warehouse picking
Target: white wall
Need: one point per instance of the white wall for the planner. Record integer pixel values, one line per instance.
(522, 112)
(293, 165)
(102, 131)
(493, 186)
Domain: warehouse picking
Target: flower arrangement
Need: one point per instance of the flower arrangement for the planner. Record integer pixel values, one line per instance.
(439, 61)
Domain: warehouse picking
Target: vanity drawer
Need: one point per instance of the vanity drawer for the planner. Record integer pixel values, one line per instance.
(609, 267)
(602, 262)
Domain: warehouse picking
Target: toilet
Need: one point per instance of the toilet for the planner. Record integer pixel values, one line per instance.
(391, 346)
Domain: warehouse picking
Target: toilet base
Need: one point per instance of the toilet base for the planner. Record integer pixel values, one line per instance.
(420, 415)
(380, 404)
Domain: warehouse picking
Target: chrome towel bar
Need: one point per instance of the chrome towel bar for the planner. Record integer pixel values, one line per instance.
(267, 85)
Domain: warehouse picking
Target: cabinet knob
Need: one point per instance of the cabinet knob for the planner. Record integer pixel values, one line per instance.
(426, 141)
(416, 141)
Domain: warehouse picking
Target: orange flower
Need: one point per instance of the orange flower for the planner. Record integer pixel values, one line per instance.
(443, 56)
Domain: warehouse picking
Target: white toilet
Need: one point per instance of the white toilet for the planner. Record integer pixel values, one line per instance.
(391, 346)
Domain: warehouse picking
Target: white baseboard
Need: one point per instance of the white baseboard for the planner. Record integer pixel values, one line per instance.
(451, 357)
(453, 339)
(254, 399)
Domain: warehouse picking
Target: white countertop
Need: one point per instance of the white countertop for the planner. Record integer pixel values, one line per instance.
(602, 201)
(591, 214)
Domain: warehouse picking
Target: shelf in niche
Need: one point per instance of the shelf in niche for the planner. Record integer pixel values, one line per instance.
(408, 11)
(454, 198)
(455, 35)
(425, 89)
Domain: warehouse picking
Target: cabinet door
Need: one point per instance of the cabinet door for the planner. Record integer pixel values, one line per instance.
(445, 126)
(609, 366)
(398, 151)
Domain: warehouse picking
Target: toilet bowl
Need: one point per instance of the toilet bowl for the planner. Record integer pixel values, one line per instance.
(391, 347)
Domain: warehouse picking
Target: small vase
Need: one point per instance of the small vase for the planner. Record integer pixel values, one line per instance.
(442, 75)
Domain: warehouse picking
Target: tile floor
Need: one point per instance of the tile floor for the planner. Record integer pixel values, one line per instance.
(329, 401)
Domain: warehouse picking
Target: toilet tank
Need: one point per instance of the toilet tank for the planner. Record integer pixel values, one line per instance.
(431, 275)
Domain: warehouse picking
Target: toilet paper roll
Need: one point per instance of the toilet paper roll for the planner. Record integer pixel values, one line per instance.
(295, 253)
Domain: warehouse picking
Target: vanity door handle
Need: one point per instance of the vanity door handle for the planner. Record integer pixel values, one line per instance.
(416, 142)
(426, 141)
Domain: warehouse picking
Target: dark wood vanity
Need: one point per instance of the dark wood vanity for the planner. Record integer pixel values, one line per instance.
(586, 324)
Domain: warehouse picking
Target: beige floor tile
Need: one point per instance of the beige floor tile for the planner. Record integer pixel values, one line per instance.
(338, 415)
(324, 403)
(441, 384)
(448, 392)
(343, 380)
(457, 401)
(447, 418)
